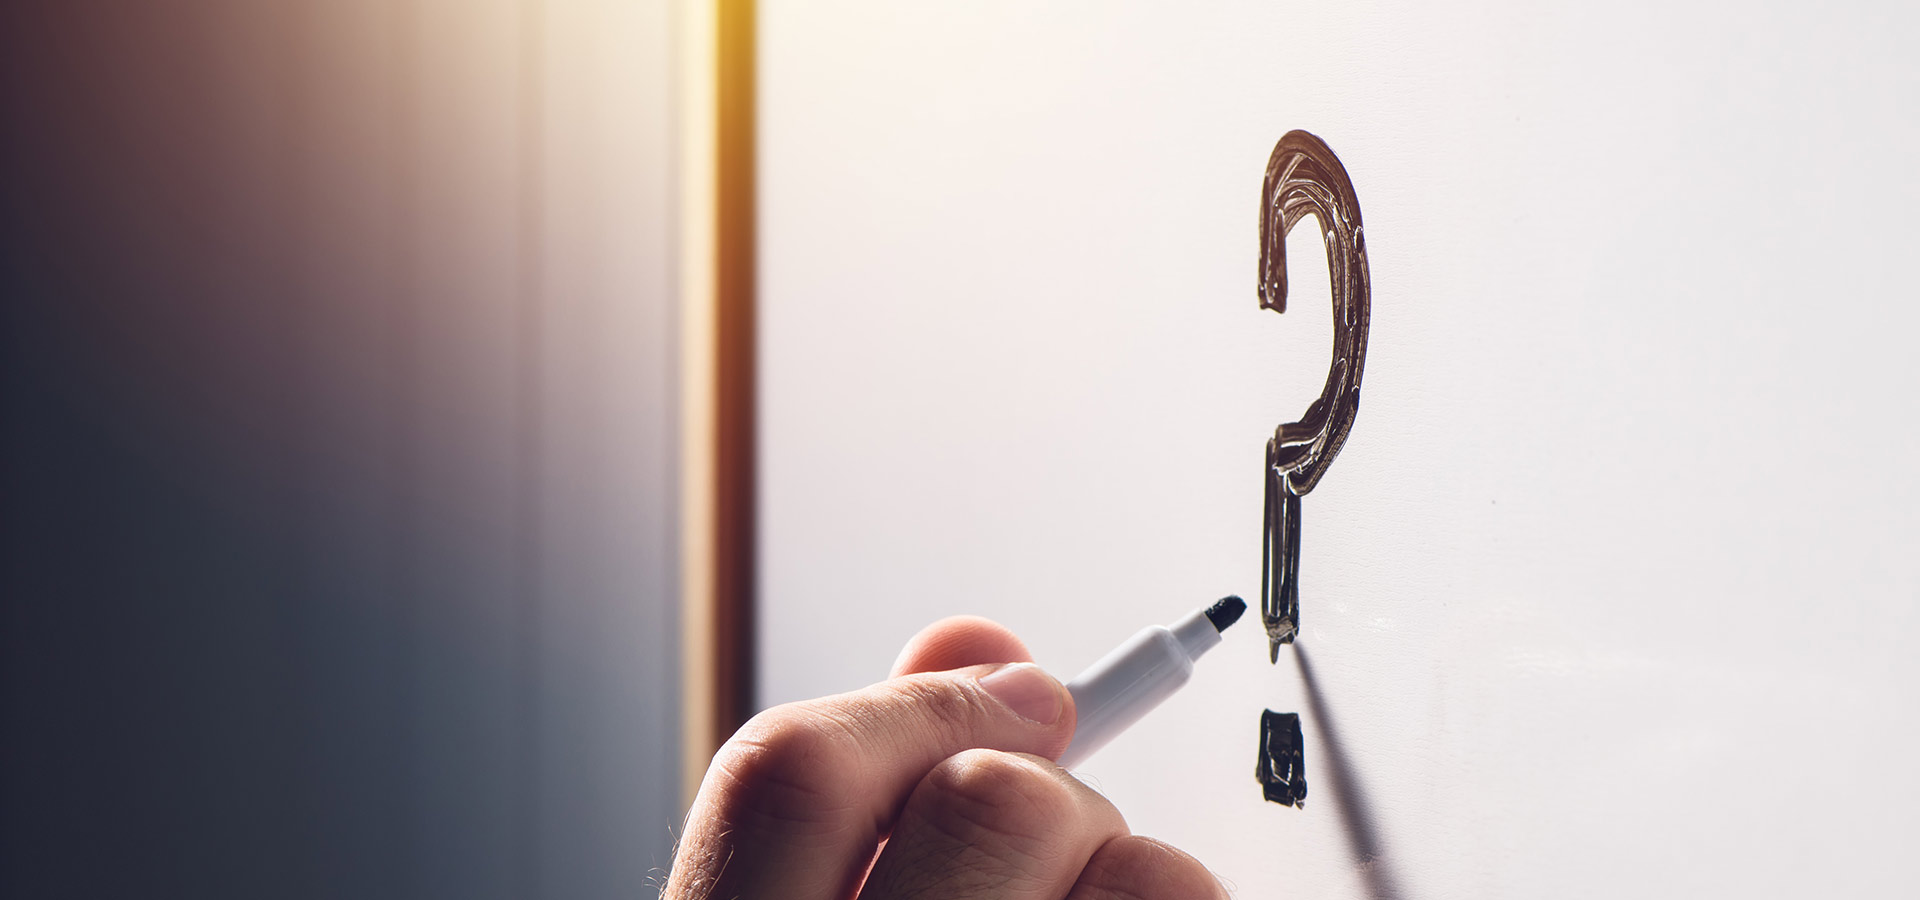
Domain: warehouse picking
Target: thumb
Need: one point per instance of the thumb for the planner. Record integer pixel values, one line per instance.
(915, 721)
(861, 753)
(811, 787)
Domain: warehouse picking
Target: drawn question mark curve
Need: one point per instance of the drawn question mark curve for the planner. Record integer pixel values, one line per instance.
(1305, 178)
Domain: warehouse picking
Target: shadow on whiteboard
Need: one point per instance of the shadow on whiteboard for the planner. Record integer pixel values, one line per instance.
(1356, 816)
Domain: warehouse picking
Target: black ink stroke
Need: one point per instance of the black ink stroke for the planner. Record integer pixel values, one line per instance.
(1282, 767)
(1305, 178)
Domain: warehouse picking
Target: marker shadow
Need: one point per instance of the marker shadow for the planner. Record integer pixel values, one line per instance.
(1356, 816)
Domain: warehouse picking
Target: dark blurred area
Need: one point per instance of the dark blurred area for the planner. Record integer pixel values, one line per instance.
(338, 471)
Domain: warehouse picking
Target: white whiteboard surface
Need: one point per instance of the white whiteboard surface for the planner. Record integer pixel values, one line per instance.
(1613, 589)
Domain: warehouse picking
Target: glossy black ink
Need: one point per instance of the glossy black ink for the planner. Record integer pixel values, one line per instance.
(1305, 178)
(1282, 769)
(1280, 563)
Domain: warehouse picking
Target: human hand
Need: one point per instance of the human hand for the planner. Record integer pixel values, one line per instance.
(944, 771)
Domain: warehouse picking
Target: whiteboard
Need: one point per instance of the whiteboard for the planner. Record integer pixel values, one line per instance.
(1613, 585)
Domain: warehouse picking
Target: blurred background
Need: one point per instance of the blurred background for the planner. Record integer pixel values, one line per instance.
(337, 392)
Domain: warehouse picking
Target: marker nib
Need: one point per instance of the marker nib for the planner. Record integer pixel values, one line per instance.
(1226, 612)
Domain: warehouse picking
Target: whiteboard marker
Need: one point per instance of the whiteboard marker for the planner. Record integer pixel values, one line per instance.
(1124, 685)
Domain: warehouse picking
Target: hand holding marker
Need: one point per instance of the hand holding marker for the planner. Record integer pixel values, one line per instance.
(942, 776)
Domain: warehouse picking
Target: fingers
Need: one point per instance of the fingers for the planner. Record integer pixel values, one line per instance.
(794, 805)
(959, 642)
(989, 824)
(1138, 868)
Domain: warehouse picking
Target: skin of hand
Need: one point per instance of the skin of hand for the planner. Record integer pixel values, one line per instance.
(936, 784)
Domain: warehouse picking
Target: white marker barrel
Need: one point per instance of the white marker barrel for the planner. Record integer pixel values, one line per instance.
(1124, 685)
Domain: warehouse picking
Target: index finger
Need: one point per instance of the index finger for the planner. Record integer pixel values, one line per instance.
(957, 642)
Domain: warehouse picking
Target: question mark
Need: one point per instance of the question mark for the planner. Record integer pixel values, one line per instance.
(1305, 178)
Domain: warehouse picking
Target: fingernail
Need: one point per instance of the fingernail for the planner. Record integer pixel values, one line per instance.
(1027, 690)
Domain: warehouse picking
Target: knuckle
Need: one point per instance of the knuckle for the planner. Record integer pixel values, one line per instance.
(943, 705)
(987, 795)
(787, 766)
(1140, 868)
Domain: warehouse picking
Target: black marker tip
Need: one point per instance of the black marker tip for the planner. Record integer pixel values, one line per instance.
(1226, 612)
